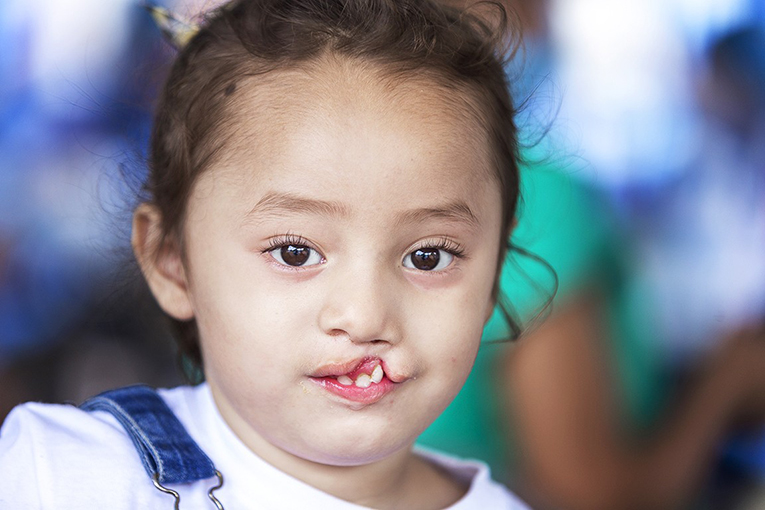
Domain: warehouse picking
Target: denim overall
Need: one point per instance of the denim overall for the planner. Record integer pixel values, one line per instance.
(167, 451)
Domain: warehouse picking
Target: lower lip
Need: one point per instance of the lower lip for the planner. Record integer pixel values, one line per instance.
(373, 393)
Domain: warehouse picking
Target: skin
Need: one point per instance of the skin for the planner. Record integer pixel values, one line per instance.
(575, 451)
(365, 171)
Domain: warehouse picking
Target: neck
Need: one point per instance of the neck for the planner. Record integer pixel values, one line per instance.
(400, 480)
(380, 484)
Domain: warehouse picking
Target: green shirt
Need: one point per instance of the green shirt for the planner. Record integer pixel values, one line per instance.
(569, 226)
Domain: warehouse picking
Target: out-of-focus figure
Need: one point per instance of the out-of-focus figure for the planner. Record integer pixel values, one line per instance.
(653, 355)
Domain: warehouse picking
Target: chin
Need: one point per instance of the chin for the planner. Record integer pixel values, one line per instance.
(353, 450)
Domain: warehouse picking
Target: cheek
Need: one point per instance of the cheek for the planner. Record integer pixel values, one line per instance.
(458, 322)
(241, 314)
(450, 329)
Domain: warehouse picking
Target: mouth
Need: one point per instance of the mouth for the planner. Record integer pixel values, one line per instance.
(364, 381)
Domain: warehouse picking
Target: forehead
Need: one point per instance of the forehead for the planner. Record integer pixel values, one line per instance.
(334, 121)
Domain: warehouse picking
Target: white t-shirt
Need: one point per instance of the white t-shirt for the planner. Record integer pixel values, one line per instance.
(58, 457)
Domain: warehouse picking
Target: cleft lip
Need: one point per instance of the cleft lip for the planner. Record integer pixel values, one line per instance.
(393, 377)
(350, 368)
(359, 382)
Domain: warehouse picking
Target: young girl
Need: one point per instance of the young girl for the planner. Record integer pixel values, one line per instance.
(332, 186)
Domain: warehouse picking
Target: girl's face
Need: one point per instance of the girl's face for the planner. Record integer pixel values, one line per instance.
(339, 261)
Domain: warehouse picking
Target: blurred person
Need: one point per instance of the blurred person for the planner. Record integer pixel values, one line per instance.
(591, 418)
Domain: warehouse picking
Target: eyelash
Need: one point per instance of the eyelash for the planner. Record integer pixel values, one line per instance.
(287, 240)
(443, 243)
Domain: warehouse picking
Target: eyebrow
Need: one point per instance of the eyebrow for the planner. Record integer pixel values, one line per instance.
(458, 212)
(277, 203)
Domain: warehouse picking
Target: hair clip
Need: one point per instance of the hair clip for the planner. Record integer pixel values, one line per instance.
(177, 32)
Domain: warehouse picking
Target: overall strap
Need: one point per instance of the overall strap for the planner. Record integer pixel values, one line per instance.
(167, 451)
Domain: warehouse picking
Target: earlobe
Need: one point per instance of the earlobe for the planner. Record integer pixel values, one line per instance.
(161, 264)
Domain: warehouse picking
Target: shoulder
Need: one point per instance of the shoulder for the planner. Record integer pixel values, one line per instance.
(483, 492)
(59, 456)
(49, 430)
(50, 451)
(187, 402)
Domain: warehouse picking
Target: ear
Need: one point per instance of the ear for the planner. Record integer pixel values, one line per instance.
(160, 260)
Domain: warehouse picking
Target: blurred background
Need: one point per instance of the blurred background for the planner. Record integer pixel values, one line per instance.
(655, 107)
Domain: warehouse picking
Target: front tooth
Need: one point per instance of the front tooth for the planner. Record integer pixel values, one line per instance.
(377, 374)
(363, 381)
(345, 380)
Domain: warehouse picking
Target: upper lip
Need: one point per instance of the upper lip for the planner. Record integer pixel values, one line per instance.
(336, 369)
(339, 368)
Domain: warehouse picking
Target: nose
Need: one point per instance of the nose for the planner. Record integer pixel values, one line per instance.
(361, 305)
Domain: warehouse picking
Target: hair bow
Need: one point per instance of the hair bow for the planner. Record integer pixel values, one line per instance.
(176, 30)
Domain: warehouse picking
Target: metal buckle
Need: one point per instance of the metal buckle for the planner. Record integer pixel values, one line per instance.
(177, 496)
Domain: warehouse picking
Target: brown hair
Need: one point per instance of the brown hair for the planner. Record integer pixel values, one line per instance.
(458, 49)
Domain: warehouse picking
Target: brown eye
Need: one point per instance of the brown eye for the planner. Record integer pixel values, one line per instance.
(425, 260)
(296, 255)
(428, 259)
